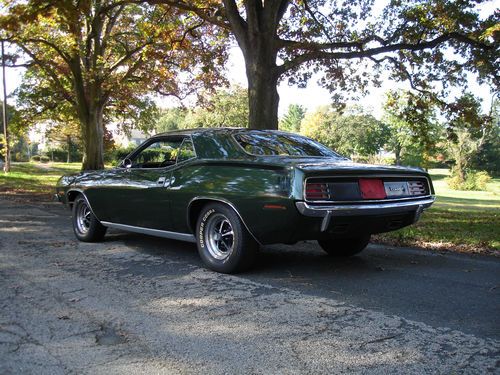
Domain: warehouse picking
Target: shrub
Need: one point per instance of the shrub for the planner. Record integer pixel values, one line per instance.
(481, 179)
(19, 156)
(118, 154)
(44, 159)
(35, 158)
(473, 181)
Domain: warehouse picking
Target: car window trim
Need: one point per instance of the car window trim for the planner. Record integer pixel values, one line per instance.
(194, 149)
(149, 142)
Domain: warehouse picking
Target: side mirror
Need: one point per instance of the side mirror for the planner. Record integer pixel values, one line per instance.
(127, 163)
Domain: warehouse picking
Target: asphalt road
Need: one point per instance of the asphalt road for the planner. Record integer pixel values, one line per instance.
(137, 304)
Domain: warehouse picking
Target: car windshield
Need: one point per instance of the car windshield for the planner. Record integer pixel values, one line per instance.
(282, 144)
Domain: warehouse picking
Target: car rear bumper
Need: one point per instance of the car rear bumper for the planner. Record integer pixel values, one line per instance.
(329, 212)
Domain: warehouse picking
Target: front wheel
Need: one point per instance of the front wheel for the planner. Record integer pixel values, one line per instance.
(85, 225)
(345, 247)
(224, 244)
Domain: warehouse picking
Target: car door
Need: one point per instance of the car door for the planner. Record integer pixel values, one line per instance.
(183, 185)
(138, 195)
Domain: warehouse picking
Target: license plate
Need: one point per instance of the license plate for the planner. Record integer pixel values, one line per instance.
(395, 189)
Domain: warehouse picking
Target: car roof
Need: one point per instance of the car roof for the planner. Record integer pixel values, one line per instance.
(222, 130)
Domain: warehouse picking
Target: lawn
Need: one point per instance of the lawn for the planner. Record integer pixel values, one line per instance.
(467, 221)
(35, 179)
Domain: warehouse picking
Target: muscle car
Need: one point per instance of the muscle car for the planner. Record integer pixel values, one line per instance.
(230, 190)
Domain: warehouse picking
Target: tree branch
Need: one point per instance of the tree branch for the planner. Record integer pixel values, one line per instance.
(238, 25)
(361, 53)
(50, 72)
(63, 55)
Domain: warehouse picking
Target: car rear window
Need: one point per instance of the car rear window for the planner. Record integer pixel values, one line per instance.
(281, 144)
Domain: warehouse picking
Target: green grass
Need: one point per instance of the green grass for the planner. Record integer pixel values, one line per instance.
(38, 179)
(460, 220)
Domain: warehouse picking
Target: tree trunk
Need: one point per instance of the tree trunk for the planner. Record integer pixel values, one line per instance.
(397, 152)
(68, 140)
(263, 98)
(93, 133)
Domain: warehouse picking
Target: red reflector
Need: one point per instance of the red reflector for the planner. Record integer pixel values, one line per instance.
(274, 207)
(372, 188)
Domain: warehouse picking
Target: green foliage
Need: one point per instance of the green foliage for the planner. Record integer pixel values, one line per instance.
(292, 119)
(413, 129)
(170, 119)
(488, 157)
(226, 107)
(115, 156)
(467, 131)
(354, 133)
(473, 181)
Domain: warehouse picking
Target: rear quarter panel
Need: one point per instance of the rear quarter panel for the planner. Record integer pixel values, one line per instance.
(249, 188)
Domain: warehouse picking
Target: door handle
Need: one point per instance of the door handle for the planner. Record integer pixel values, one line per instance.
(169, 181)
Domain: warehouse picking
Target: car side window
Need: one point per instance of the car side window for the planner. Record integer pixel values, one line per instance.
(186, 150)
(161, 153)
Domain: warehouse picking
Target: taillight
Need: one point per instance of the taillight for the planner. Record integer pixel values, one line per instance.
(317, 191)
(372, 188)
(417, 188)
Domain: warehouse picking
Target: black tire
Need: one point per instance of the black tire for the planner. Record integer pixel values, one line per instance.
(224, 244)
(345, 247)
(85, 225)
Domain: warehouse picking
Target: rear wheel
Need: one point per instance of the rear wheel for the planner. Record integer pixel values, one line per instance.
(345, 247)
(85, 225)
(224, 244)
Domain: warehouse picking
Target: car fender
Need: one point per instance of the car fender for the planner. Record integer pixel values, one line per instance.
(216, 199)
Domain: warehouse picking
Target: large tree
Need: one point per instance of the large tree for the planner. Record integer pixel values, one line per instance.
(414, 130)
(103, 57)
(354, 133)
(292, 119)
(467, 130)
(430, 43)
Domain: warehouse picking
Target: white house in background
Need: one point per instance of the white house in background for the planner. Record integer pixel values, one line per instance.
(37, 135)
(134, 138)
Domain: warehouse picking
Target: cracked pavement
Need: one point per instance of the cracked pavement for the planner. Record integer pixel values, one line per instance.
(135, 304)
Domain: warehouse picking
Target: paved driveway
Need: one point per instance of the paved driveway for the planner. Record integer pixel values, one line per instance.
(136, 304)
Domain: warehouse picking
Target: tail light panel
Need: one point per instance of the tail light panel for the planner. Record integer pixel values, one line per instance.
(376, 188)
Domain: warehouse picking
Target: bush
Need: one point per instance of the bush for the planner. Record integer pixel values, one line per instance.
(19, 156)
(35, 158)
(118, 154)
(61, 155)
(44, 159)
(473, 181)
(481, 179)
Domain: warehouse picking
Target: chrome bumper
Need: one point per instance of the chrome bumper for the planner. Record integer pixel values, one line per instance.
(329, 211)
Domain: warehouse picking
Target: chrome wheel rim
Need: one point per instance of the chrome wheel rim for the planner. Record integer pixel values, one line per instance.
(83, 218)
(219, 236)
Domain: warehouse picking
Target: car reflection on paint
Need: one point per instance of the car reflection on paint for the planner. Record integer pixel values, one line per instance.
(230, 190)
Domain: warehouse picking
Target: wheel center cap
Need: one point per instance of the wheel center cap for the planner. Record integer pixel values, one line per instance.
(217, 237)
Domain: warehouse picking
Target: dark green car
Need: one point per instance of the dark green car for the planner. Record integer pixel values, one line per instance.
(231, 190)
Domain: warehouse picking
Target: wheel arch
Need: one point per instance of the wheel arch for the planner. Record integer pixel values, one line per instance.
(72, 194)
(196, 205)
